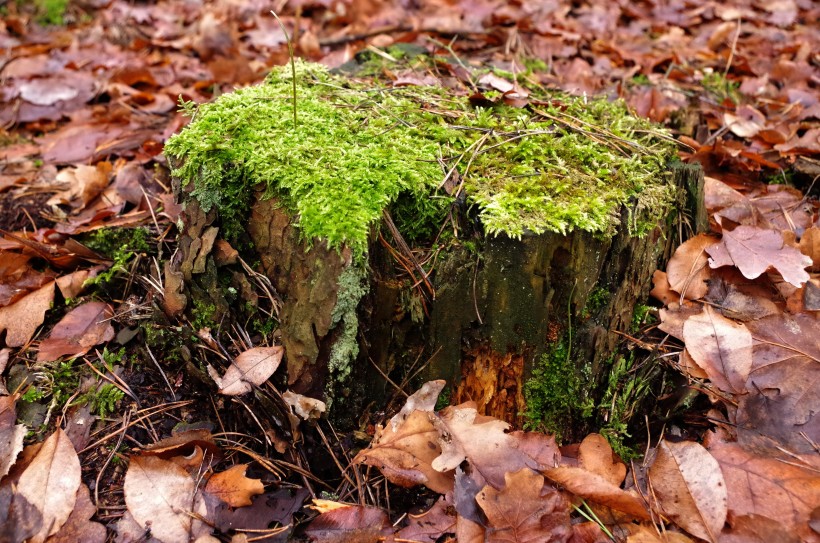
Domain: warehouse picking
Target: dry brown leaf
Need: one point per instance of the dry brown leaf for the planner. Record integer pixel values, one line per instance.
(251, 368)
(19, 518)
(721, 347)
(21, 319)
(598, 489)
(83, 184)
(79, 527)
(464, 435)
(785, 379)
(661, 290)
(162, 494)
(649, 534)
(524, 511)
(348, 524)
(596, 455)
(687, 271)
(307, 408)
(233, 488)
(754, 250)
(405, 455)
(83, 327)
(424, 399)
(11, 434)
(689, 484)
(430, 525)
(50, 483)
(784, 490)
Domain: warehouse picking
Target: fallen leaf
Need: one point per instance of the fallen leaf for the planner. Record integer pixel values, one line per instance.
(232, 487)
(465, 435)
(307, 408)
(348, 524)
(424, 399)
(754, 250)
(79, 527)
(21, 319)
(84, 183)
(251, 368)
(50, 483)
(689, 484)
(429, 526)
(405, 455)
(784, 490)
(687, 271)
(721, 347)
(598, 489)
(19, 517)
(596, 455)
(11, 434)
(163, 495)
(83, 327)
(524, 510)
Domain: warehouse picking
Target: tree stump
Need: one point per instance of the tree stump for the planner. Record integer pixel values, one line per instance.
(473, 246)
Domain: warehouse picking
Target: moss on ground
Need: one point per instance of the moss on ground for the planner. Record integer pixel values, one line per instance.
(561, 164)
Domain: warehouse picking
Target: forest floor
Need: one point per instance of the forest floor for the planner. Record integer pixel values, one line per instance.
(110, 430)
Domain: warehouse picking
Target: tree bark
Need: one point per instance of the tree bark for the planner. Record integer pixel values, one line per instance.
(489, 311)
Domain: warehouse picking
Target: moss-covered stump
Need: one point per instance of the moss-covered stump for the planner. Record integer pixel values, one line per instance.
(405, 234)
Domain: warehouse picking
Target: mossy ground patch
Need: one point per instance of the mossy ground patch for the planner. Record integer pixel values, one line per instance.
(562, 163)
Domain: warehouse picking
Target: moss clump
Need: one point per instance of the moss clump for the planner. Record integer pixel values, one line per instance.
(554, 394)
(562, 164)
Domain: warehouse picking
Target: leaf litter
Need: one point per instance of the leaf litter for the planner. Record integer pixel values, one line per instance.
(94, 102)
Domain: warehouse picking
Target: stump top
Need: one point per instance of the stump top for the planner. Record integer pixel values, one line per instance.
(558, 164)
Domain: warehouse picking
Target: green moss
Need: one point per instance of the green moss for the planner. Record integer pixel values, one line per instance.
(597, 300)
(641, 315)
(554, 394)
(51, 12)
(118, 244)
(625, 392)
(568, 163)
(203, 315)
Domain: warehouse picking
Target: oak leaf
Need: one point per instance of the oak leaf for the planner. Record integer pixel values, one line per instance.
(405, 454)
(232, 487)
(524, 510)
(430, 525)
(687, 271)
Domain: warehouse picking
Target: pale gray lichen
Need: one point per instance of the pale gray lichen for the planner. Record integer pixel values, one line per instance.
(352, 288)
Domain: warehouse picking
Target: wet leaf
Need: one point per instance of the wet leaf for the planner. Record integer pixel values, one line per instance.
(690, 487)
(50, 483)
(251, 368)
(721, 347)
(232, 487)
(429, 526)
(83, 327)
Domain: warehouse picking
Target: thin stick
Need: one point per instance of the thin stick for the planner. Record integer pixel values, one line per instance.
(292, 62)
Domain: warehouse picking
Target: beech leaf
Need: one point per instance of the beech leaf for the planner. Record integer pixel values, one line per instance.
(754, 250)
(50, 483)
(598, 489)
(687, 271)
(251, 368)
(160, 493)
(21, 319)
(83, 327)
(689, 485)
(721, 347)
